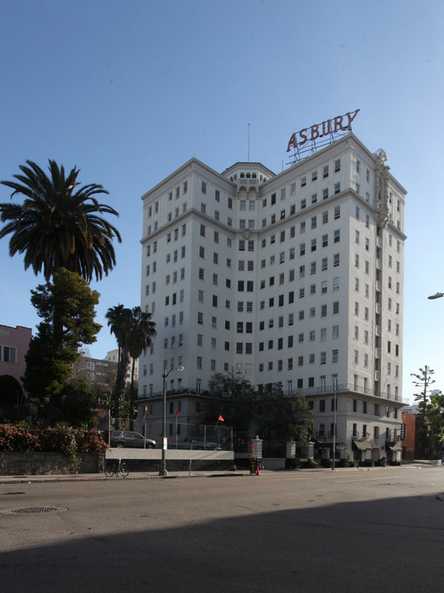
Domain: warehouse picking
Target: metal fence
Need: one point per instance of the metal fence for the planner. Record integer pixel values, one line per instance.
(180, 434)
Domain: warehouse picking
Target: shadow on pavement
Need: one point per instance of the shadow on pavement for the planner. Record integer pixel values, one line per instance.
(391, 545)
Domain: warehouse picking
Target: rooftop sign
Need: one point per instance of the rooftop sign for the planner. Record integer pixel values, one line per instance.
(330, 127)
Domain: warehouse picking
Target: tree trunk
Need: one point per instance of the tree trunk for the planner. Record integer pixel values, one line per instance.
(120, 385)
(132, 398)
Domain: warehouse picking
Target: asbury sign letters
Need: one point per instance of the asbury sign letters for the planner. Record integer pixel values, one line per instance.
(340, 123)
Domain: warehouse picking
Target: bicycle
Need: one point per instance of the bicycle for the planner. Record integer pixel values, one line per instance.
(116, 468)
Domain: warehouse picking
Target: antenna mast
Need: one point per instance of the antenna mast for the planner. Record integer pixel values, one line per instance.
(248, 159)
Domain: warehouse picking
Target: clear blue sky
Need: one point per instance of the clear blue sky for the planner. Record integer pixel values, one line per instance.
(129, 90)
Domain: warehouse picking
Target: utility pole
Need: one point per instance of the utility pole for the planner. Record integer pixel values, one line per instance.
(335, 404)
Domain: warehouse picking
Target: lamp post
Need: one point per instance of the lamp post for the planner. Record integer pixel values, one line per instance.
(166, 373)
(335, 406)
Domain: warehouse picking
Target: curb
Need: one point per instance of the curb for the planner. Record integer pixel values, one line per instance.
(42, 480)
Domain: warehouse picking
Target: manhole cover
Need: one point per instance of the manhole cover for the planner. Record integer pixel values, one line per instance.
(33, 510)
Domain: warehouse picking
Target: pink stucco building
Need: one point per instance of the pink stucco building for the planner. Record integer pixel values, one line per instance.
(14, 344)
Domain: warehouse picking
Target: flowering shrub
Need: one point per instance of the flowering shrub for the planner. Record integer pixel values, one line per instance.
(61, 438)
(17, 437)
(91, 442)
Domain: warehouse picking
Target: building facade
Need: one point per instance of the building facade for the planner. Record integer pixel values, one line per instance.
(14, 344)
(408, 415)
(113, 356)
(295, 278)
(101, 373)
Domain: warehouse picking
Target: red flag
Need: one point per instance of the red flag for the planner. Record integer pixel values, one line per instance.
(221, 419)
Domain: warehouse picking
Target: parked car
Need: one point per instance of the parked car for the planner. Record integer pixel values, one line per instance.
(130, 438)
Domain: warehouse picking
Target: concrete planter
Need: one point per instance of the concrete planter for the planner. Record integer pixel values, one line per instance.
(32, 462)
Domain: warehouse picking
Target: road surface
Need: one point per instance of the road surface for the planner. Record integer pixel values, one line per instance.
(350, 531)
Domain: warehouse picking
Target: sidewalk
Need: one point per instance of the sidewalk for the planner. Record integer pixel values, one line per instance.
(41, 479)
(52, 478)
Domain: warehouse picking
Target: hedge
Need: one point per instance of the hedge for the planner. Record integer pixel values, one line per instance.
(62, 438)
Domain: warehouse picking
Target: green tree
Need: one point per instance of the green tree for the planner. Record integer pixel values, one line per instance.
(75, 405)
(281, 418)
(435, 415)
(422, 381)
(140, 338)
(269, 413)
(55, 347)
(233, 398)
(59, 224)
(120, 322)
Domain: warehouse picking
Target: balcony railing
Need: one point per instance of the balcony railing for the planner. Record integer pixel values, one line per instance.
(328, 389)
(247, 181)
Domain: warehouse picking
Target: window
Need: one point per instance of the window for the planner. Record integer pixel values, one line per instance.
(337, 212)
(337, 165)
(325, 217)
(9, 354)
(337, 236)
(204, 187)
(337, 187)
(325, 171)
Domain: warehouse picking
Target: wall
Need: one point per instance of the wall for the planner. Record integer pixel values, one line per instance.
(13, 464)
(409, 444)
(18, 338)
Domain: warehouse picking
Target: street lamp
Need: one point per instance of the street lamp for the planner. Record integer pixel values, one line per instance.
(437, 295)
(166, 373)
(335, 421)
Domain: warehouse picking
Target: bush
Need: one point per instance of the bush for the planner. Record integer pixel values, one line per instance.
(292, 463)
(61, 438)
(309, 464)
(18, 438)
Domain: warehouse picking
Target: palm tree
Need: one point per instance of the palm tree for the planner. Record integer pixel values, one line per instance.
(141, 334)
(59, 223)
(120, 324)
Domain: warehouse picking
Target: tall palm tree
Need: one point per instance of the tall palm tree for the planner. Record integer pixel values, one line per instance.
(141, 334)
(120, 323)
(59, 223)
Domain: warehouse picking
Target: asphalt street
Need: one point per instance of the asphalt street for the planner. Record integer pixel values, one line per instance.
(326, 532)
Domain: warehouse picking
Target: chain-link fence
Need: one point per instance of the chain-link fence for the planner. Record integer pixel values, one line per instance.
(148, 432)
(186, 435)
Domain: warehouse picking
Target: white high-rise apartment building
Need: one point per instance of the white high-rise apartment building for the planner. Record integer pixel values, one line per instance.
(295, 278)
